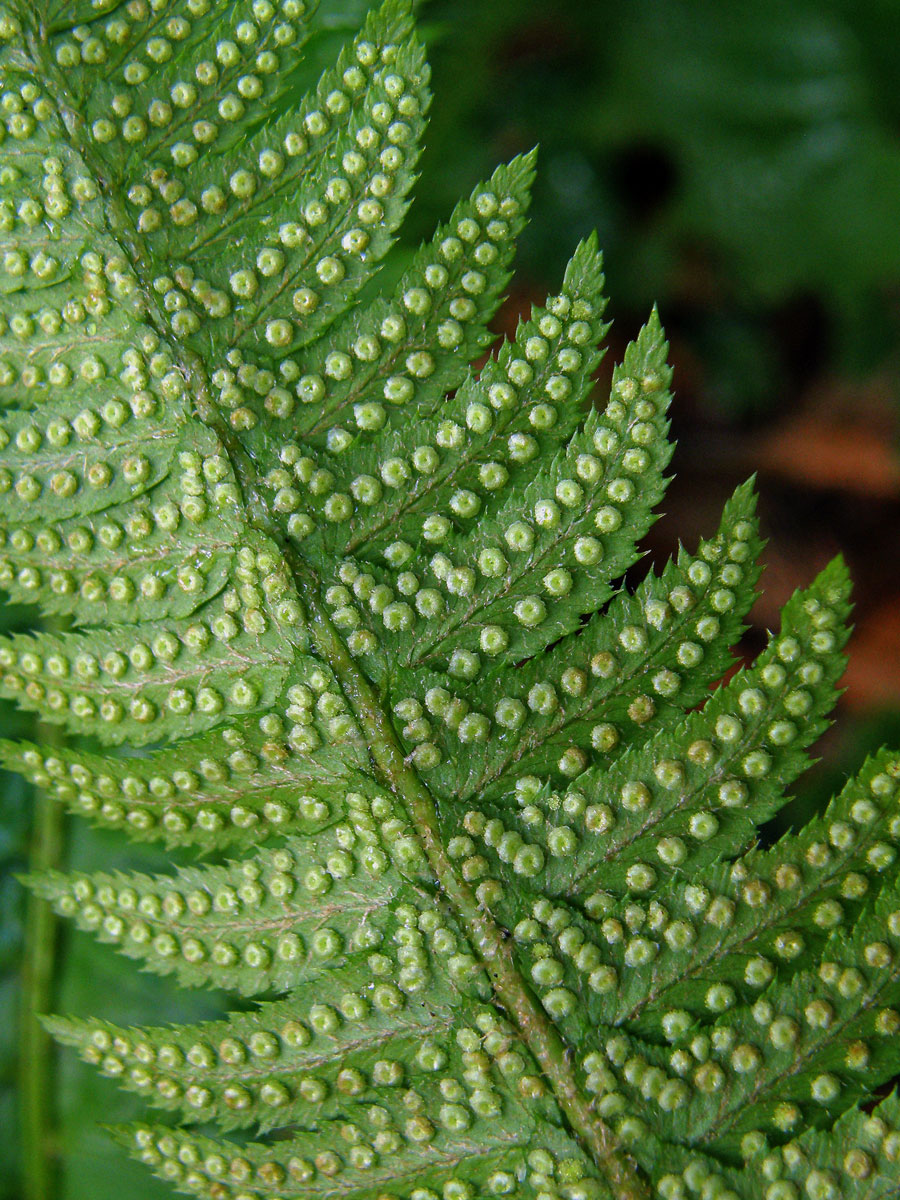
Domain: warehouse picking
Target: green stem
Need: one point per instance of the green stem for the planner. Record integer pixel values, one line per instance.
(35, 1060)
(489, 941)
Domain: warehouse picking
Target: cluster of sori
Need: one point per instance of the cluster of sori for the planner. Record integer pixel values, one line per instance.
(251, 926)
(439, 1077)
(613, 685)
(862, 1150)
(675, 799)
(198, 1166)
(176, 106)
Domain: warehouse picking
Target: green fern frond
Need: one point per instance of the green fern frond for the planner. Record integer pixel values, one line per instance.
(332, 601)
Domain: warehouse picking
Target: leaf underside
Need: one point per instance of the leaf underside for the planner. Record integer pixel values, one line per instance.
(345, 614)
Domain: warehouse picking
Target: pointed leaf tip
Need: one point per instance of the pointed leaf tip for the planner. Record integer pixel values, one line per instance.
(589, 249)
(835, 579)
(523, 170)
(61, 1029)
(394, 18)
(746, 496)
(584, 270)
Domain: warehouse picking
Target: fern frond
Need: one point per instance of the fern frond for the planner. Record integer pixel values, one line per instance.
(633, 669)
(732, 920)
(119, 563)
(269, 921)
(334, 601)
(242, 784)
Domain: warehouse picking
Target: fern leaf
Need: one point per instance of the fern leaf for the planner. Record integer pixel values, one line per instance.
(379, 372)
(305, 1060)
(835, 1020)
(334, 601)
(88, 568)
(177, 114)
(477, 444)
(145, 683)
(242, 784)
(858, 1160)
(573, 704)
(773, 903)
(741, 752)
(270, 921)
(301, 1168)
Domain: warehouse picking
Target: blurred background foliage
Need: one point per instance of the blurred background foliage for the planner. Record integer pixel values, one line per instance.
(740, 160)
